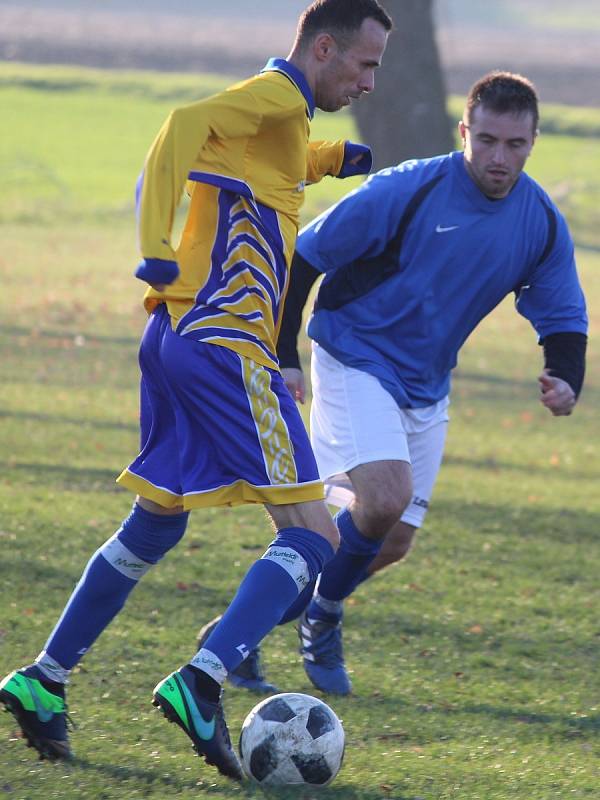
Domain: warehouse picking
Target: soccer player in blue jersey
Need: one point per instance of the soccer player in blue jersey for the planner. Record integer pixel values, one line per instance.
(413, 260)
(217, 422)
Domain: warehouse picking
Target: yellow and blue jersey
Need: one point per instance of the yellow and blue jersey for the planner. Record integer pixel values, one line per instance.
(245, 157)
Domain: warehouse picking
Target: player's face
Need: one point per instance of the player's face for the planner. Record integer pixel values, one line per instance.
(347, 73)
(496, 148)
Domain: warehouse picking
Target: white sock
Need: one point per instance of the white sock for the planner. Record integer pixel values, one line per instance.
(52, 669)
(208, 662)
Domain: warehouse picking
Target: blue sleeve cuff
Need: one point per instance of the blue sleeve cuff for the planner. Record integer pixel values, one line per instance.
(157, 270)
(362, 166)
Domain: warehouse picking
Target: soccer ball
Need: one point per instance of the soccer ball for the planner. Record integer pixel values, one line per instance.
(292, 738)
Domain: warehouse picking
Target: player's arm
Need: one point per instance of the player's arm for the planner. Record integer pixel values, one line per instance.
(230, 114)
(360, 225)
(341, 159)
(564, 370)
(302, 277)
(554, 303)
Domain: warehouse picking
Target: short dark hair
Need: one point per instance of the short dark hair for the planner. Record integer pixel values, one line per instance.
(341, 18)
(504, 93)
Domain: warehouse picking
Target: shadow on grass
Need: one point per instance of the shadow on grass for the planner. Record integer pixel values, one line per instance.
(142, 777)
(572, 726)
(156, 778)
(54, 419)
(61, 335)
(495, 466)
(74, 479)
(507, 391)
(564, 525)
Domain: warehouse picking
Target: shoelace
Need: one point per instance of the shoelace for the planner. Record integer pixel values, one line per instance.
(72, 724)
(222, 725)
(327, 646)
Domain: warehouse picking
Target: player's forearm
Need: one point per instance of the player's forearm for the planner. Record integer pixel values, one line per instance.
(302, 277)
(564, 357)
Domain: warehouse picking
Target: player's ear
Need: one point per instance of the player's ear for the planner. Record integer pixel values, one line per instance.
(462, 132)
(324, 46)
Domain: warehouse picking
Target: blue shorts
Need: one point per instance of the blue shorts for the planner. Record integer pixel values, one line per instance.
(216, 428)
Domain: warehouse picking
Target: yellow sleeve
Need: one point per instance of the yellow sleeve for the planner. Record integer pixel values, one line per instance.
(324, 158)
(235, 113)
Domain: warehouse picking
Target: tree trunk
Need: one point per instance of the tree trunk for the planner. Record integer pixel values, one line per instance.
(405, 117)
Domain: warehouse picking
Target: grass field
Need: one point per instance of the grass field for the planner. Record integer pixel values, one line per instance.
(475, 663)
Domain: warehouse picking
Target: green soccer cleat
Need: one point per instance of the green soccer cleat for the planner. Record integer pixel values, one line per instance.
(202, 720)
(39, 707)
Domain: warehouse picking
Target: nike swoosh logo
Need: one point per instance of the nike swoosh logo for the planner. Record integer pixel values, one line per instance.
(43, 714)
(204, 728)
(441, 229)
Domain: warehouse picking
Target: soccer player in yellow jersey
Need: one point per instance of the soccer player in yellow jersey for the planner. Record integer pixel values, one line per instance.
(218, 425)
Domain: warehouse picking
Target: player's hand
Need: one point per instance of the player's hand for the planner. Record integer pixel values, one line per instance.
(557, 395)
(294, 381)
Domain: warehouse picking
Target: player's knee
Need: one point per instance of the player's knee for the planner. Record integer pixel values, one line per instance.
(384, 509)
(150, 536)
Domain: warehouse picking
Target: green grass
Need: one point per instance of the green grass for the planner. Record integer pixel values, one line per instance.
(475, 663)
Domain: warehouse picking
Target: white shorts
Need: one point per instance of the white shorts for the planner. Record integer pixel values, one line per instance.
(354, 420)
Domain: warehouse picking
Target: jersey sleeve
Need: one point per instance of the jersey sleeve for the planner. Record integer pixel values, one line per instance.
(553, 299)
(360, 225)
(235, 113)
(324, 158)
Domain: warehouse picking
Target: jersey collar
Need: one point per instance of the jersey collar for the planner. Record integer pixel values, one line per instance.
(296, 77)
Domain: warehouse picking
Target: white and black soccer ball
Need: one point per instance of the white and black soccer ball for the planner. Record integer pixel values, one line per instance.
(292, 738)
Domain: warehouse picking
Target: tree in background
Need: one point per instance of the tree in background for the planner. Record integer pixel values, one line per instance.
(406, 115)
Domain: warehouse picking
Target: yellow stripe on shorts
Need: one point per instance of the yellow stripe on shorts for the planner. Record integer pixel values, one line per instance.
(273, 434)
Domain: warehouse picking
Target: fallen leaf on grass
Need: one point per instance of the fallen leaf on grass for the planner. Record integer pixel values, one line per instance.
(478, 629)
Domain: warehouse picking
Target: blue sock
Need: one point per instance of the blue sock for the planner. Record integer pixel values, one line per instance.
(272, 583)
(109, 577)
(299, 603)
(348, 567)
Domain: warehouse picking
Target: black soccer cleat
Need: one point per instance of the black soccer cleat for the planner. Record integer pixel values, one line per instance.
(202, 720)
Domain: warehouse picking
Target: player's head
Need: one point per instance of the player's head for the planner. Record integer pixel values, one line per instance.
(338, 46)
(498, 130)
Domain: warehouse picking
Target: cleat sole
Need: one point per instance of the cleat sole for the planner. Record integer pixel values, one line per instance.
(48, 749)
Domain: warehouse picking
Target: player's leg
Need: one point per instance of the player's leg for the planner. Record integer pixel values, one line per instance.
(426, 431)
(293, 559)
(381, 489)
(426, 446)
(36, 694)
(357, 429)
(255, 448)
(250, 673)
(426, 442)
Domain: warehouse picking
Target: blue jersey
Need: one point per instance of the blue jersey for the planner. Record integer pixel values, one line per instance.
(417, 256)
